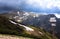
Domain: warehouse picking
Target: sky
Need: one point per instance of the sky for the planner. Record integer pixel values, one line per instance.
(48, 6)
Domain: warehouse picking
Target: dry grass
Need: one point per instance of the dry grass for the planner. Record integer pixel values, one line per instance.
(12, 37)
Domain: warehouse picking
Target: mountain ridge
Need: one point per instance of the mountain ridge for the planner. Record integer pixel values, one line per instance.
(6, 27)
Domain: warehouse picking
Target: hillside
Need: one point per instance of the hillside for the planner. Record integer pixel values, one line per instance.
(6, 27)
(36, 20)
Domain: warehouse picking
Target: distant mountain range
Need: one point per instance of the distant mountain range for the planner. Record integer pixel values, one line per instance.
(33, 19)
(11, 27)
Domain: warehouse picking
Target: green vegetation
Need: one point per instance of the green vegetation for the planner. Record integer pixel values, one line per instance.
(44, 35)
(8, 28)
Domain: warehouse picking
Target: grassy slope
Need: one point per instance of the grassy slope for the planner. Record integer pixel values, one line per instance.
(8, 28)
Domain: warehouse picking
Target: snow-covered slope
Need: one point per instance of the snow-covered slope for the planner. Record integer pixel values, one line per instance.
(27, 28)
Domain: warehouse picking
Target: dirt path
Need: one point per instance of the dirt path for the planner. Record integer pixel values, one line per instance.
(12, 37)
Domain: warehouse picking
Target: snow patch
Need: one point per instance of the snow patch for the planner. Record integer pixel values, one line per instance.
(26, 14)
(12, 22)
(27, 28)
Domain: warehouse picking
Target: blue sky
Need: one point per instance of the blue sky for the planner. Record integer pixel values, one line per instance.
(49, 6)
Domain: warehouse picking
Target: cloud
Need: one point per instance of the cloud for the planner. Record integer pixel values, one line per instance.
(11, 2)
(33, 5)
(44, 3)
(57, 15)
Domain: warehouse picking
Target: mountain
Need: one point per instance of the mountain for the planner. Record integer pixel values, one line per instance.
(35, 20)
(30, 18)
(8, 26)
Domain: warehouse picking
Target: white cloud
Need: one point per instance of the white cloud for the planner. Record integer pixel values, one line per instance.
(44, 3)
(57, 15)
